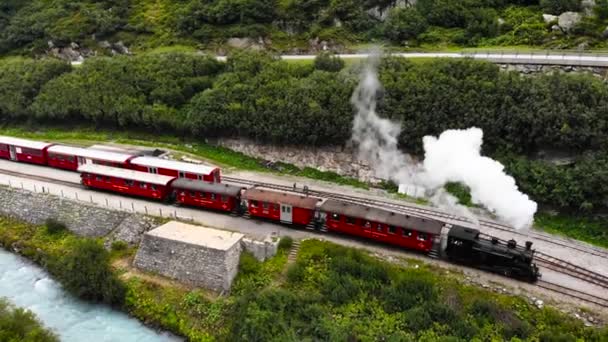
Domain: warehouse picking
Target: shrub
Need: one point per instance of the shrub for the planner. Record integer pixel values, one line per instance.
(558, 7)
(248, 264)
(285, 243)
(328, 62)
(119, 246)
(18, 324)
(54, 227)
(85, 271)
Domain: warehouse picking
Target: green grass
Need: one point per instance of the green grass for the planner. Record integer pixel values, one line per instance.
(331, 292)
(591, 230)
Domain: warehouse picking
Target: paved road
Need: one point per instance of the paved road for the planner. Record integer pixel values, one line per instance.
(540, 58)
(543, 58)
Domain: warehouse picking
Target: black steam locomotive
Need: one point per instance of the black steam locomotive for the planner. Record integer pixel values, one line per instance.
(465, 246)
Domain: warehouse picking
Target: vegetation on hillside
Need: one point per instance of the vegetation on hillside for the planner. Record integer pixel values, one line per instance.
(20, 325)
(28, 26)
(255, 96)
(330, 293)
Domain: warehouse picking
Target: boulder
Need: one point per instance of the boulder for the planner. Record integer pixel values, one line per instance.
(556, 28)
(549, 18)
(588, 6)
(239, 43)
(568, 20)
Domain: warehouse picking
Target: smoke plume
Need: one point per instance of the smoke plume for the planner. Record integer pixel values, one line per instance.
(455, 156)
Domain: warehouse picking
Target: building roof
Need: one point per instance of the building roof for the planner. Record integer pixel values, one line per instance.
(197, 235)
(199, 169)
(125, 174)
(197, 185)
(91, 153)
(281, 197)
(382, 216)
(38, 145)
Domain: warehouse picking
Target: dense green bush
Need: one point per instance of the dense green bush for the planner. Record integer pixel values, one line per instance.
(328, 62)
(558, 7)
(285, 243)
(21, 325)
(29, 26)
(54, 227)
(404, 24)
(85, 271)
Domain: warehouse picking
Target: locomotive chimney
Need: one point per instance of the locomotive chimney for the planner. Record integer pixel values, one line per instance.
(512, 243)
(528, 245)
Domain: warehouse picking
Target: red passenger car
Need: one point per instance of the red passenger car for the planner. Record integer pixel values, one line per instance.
(70, 157)
(208, 195)
(381, 225)
(125, 181)
(176, 168)
(280, 206)
(22, 150)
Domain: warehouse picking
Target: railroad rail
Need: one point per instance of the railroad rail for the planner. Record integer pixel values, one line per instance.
(544, 260)
(569, 292)
(422, 212)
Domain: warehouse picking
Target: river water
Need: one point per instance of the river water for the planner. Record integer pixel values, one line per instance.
(28, 286)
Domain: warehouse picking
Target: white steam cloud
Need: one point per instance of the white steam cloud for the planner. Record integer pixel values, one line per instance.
(452, 157)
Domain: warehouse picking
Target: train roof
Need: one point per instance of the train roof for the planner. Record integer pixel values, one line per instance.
(125, 174)
(382, 216)
(197, 185)
(38, 145)
(115, 157)
(485, 244)
(299, 201)
(173, 165)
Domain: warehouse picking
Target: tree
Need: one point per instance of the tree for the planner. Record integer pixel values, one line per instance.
(328, 62)
(404, 24)
(85, 271)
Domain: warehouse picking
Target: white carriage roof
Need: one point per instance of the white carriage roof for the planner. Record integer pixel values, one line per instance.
(91, 153)
(173, 165)
(197, 235)
(38, 145)
(125, 174)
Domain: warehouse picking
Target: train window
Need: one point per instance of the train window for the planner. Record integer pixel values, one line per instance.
(335, 216)
(142, 185)
(276, 207)
(379, 227)
(350, 220)
(254, 204)
(107, 178)
(422, 237)
(153, 187)
(202, 194)
(3, 148)
(288, 209)
(265, 205)
(200, 177)
(129, 182)
(192, 194)
(283, 209)
(224, 198)
(213, 196)
(183, 193)
(98, 178)
(367, 225)
(391, 229)
(407, 233)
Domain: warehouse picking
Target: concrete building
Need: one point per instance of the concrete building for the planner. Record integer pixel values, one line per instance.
(195, 255)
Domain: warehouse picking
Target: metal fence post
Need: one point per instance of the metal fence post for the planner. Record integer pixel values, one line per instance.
(133, 206)
(35, 190)
(146, 209)
(22, 188)
(107, 204)
(62, 193)
(160, 210)
(75, 193)
(120, 204)
(91, 198)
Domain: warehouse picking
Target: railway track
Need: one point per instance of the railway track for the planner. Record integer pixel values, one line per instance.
(424, 212)
(572, 293)
(543, 259)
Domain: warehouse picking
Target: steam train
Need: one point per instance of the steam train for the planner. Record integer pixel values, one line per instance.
(200, 186)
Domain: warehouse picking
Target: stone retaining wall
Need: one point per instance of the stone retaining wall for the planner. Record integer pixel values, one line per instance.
(261, 250)
(80, 218)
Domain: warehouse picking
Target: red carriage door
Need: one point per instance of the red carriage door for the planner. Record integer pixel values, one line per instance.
(286, 213)
(12, 152)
